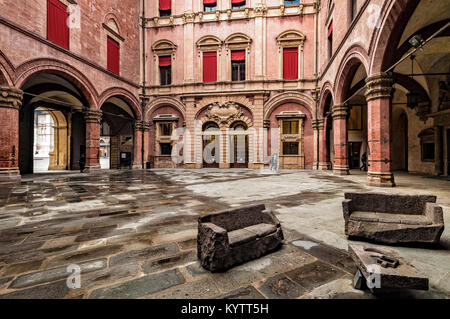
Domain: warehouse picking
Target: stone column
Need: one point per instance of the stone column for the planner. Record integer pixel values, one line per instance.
(137, 151)
(189, 44)
(340, 113)
(257, 143)
(319, 137)
(146, 132)
(379, 93)
(260, 40)
(438, 150)
(10, 102)
(190, 143)
(93, 120)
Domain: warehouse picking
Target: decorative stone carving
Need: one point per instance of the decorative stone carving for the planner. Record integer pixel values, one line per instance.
(379, 86)
(93, 116)
(318, 124)
(156, 21)
(139, 126)
(217, 15)
(282, 10)
(10, 97)
(247, 12)
(224, 114)
(339, 111)
(300, 9)
(188, 17)
(260, 10)
(229, 14)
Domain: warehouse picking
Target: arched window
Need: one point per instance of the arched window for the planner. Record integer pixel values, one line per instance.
(209, 49)
(164, 59)
(238, 53)
(290, 51)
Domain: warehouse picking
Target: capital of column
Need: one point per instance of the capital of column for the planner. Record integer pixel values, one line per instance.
(141, 126)
(379, 86)
(260, 10)
(339, 111)
(10, 97)
(266, 124)
(318, 124)
(93, 116)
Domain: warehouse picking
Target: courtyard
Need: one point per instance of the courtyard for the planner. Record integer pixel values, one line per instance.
(133, 234)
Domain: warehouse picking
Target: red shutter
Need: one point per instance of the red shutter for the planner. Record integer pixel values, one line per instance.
(57, 27)
(209, 2)
(209, 67)
(330, 29)
(164, 61)
(290, 63)
(113, 56)
(238, 56)
(237, 1)
(165, 4)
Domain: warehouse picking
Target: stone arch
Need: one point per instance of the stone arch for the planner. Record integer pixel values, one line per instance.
(126, 96)
(164, 101)
(111, 21)
(293, 37)
(164, 47)
(210, 42)
(354, 56)
(327, 89)
(286, 97)
(6, 70)
(65, 70)
(238, 39)
(394, 17)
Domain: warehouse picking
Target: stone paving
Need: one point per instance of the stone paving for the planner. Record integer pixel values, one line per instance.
(133, 235)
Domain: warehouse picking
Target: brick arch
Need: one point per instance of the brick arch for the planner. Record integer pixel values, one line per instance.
(6, 70)
(327, 89)
(289, 97)
(394, 18)
(354, 56)
(126, 96)
(164, 101)
(243, 101)
(65, 70)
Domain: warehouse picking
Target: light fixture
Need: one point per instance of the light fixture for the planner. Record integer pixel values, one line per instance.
(412, 97)
(416, 41)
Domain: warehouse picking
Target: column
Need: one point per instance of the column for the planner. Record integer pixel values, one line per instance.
(340, 140)
(379, 93)
(260, 39)
(137, 151)
(10, 102)
(438, 150)
(324, 163)
(319, 145)
(256, 146)
(190, 139)
(189, 43)
(146, 132)
(93, 120)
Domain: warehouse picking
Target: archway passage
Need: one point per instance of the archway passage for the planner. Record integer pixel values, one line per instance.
(51, 147)
(117, 135)
(54, 105)
(239, 146)
(211, 145)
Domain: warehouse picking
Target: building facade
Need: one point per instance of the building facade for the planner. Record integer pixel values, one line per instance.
(228, 83)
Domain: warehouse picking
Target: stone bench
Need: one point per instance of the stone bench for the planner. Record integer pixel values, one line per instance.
(393, 219)
(234, 236)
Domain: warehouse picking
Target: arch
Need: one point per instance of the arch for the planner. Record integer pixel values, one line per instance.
(327, 90)
(293, 37)
(164, 47)
(239, 116)
(242, 101)
(164, 101)
(286, 97)
(209, 42)
(394, 17)
(354, 56)
(111, 21)
(238, 39)
(6, 70)
(65, 70)
(126, 96)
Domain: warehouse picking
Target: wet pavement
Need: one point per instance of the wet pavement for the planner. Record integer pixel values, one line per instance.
(132, 234)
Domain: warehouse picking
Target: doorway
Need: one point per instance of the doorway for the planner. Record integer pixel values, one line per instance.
(240, 146)
(211, 145)
(354, 150)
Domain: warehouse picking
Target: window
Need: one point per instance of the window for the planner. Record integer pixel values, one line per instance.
(290, 148)
(209, 5)
(355, 118)
(237, 4)
(165, 8)
(57, 27)
(427, 145)
(289, 2)
(353, 10)
(165, 129)
(238, 65)
(113, 55)
(165, 70)
(166, 148)
(209, 67)
(330, 40)
(290, 63)
(290, 127)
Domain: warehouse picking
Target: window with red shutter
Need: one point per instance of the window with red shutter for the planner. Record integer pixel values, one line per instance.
(209, 67)
(165, 8)
(57, 26)
(237, 4)
(113, 56)
(290, 63)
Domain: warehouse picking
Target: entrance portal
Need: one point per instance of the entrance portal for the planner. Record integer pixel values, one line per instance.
(211, 145)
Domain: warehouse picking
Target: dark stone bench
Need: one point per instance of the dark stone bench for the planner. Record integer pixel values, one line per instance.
(393, 219)
(234, 236)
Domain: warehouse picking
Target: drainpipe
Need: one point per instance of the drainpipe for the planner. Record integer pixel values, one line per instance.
(316, 75)
(143, 83)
